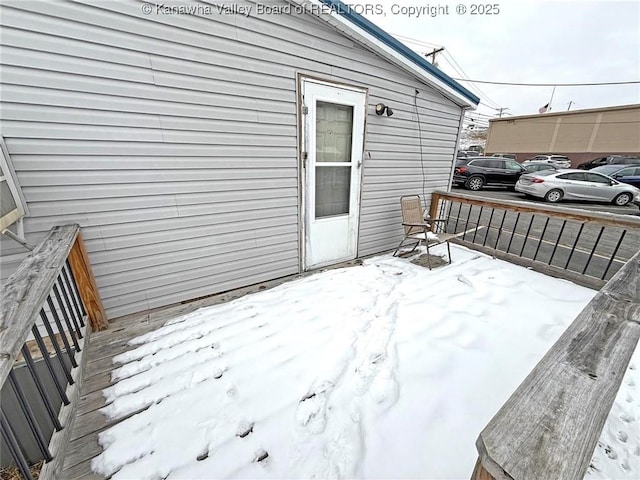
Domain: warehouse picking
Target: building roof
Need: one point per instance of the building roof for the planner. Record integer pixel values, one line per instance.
(354, 25)
(566, 113)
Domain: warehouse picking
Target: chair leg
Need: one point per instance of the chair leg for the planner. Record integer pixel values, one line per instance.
(449, 252)
(428, 255)
(399, 246)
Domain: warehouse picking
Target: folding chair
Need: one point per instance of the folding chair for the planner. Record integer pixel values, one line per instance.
(418, 230)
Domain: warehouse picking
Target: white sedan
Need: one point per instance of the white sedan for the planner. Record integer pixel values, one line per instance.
(553, 186)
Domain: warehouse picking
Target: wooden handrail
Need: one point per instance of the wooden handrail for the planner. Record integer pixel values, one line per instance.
(24, 292)
(598, 218)
(549, 427)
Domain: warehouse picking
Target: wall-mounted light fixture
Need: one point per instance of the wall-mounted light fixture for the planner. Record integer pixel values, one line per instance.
(381, 108)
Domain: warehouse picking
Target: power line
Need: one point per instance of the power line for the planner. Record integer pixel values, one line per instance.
(416, 41)
(631, 82)
(456, 66)
(536, 122)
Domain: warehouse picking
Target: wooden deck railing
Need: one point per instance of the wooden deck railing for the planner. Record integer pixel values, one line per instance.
(583, 246)
(549, 427)
(52, 291)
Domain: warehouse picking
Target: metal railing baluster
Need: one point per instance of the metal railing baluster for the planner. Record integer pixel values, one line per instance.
(61, 331)
(486, 235)
(475, 232)
(593, 250)
(573, 248)
(76, 292)
(526, 237)
(14, 447)
(66, 295)
(555, 247)
(613, 255)
(30, 417)
(56, 347)
(504, 216)
(466, 223)
(47, 361)
(72, 294)
(66, 318)
(455, 227)
(513, 232)
(544, 230)
(41, 389)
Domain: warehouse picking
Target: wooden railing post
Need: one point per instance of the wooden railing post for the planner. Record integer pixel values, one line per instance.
(479, 472)
(433, 208)
(81, 269)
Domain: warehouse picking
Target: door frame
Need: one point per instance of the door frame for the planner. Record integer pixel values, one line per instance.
(302, 167)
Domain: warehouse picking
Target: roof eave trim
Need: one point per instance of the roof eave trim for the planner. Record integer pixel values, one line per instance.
(364, 31)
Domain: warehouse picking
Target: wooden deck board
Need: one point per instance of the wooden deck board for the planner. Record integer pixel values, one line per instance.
(81, 471)
(104, 346)
(82, 450)
(91, 401)
(89, 422)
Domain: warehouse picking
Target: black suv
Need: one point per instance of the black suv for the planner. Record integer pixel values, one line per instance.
(609, 160)
(492, 171)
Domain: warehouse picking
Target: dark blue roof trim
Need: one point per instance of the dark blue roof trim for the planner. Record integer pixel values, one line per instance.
(357, 19)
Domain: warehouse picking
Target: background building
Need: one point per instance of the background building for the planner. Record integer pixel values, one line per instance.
(580, 134)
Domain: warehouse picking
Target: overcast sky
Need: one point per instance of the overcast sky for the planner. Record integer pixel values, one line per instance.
(534, 41)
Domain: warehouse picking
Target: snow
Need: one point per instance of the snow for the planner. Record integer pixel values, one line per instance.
(385, 370)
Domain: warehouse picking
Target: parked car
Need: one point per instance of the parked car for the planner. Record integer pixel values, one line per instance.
(537, 166)
(463, 161)
(467, 154)
(492, 171)
(558, 160)
(623, 173)
(609, 160)
(511, 156)
(636, 201)
(575, 184)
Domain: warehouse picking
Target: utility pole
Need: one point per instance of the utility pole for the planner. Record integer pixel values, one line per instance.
(437, 50)
(500, 110)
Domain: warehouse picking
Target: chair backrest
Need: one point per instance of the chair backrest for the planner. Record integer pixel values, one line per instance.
(411, 212)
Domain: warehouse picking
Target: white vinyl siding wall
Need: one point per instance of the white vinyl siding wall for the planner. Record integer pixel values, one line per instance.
(172, 141)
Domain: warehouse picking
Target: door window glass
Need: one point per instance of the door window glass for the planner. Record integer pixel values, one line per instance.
(625, 172)
(480, 163)
(594, 177)
(575, 176)
(333, 185)
(513, 165)
(334, 127)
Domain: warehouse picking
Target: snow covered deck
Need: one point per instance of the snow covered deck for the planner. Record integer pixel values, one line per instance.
(384, 370)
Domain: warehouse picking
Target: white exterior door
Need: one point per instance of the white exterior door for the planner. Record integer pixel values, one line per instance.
(332, 156)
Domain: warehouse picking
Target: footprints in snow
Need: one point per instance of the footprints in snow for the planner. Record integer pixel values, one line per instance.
(311, 412)
(618, 442)
(244, 429)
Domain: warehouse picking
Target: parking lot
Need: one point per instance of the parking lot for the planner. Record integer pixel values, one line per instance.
(499, 193)
(586, 248)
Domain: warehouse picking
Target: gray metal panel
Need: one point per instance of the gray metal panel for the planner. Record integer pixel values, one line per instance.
(172, 140)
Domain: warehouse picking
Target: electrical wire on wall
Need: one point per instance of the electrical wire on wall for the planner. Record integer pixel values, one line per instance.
(424, 177)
